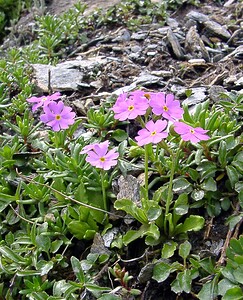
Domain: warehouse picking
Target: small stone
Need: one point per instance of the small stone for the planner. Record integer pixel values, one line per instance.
(162, 73)
(129, 188)
(136, 49)
(197, 61)
(139, 36)
(152, 53)
(176, 47)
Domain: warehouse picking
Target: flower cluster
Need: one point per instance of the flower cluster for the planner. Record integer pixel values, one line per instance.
(56, 114)
(129, 106)
(134, 104)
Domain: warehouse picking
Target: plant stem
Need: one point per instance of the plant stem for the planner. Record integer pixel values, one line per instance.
(174, 159)
(146, 148)
(103, 189)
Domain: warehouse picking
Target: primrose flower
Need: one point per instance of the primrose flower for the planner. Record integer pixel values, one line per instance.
(43, 100)
(90, 147)
(188, 133)
(152, 133)
(166, 105)
(101, 158)
(129, 106)
(57, 115)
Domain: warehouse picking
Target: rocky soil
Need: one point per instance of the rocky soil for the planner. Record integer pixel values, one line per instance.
(198, 48)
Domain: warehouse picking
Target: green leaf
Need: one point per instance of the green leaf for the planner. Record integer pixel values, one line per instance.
(241, 198)
(192, 223)
(184, 249)
(119, 135)
(79, 229)
(10, 254)
(168, 249)
(161, 271)
(153, 231)
(233, 175)
(109, 297)
(27, 272)
(224, 285)
(209, 184)
(197, 195)
(238, 165)
(40, 296)
(182, 282)
(209, 291)
(153, 213)
(181, 205)
(55, 245)
(193, 174)
(44, 266)
(77, 269)
(234, 293)
(222, 154)
(132, 235)
(238, 274)
(207, 265)
(180, 185)
(130, 208)
(43, 242)
(236, 246)
(5, 200)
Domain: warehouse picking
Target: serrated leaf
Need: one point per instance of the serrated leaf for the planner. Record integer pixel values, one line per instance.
(168, 249)
(192, 223)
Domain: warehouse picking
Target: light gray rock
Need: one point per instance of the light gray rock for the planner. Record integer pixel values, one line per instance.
(217, 30)
(66, 76)
(198, 95)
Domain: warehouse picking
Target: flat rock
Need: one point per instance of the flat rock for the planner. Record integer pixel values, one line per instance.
(66, 76)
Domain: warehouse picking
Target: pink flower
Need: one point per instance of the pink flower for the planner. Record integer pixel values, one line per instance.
(101, 158)
(152, 133)
(43, 100)
(57, 115)
(130, 106)
(188, 133)
(90, 147)
(166, 105)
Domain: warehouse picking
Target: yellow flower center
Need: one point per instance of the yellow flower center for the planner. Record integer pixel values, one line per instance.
(165, 108)
(153, 133)
(130, 107)
(44, 99)
(102, 159)
(192, 131)
(147, 96)
(58, 117)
